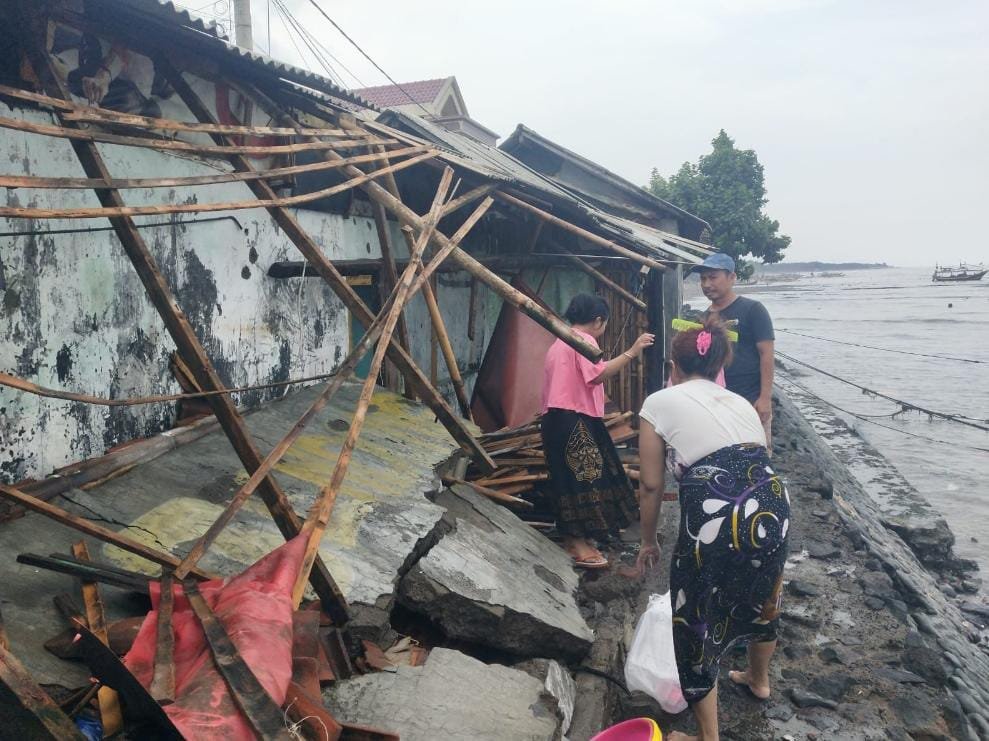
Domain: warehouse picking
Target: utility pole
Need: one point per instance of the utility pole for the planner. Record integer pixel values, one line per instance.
(243, 32)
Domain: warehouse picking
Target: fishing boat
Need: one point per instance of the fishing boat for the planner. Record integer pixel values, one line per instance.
(963, 272)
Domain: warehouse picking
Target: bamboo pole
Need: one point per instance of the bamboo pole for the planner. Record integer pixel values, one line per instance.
(574, 229)
(404, 214)
(391, 280)
(346, 369)
(18, 212)
(173, 145)
(469, 197)
(30, 181)
(111, 715)
(319, 514)
(93, 530)
(324, 267)
(76, 112)
(600, 277)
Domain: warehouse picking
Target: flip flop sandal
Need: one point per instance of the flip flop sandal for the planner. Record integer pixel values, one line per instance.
(594, 562)
(744, 686)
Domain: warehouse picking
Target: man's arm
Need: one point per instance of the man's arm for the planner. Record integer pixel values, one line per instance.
(764, 404)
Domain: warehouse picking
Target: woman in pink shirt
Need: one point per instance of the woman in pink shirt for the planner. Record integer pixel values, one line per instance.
(592, 495)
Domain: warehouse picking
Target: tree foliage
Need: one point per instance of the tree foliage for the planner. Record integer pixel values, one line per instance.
(727, 189)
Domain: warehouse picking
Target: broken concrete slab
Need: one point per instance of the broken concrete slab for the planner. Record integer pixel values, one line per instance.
(451, 696)
(558, 682)
(492, 579)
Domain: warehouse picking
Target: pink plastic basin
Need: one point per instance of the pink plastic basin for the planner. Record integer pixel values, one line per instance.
(637, 729)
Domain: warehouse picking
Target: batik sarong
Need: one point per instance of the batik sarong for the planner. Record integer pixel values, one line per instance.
(592, 496)
(727, 568)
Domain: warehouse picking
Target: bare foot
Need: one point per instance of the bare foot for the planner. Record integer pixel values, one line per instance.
(680, 736)
(760, 692)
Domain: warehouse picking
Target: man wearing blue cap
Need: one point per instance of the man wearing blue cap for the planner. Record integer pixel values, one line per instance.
(751, 371)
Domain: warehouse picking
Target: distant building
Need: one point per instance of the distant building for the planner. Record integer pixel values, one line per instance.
(438, 100)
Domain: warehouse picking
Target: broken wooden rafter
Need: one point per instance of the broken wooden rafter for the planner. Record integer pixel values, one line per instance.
(162, 686)
(264, 716)
(31, 181)
(93, 530)
(18, 212)
(187, 343)
(319, 514)
(346, 369)
(111, 716)
(28, 711)
(324, 268)
(407, 216)
(174, 145)
(574, 229)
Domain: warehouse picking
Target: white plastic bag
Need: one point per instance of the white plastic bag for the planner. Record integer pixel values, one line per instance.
(651, 664)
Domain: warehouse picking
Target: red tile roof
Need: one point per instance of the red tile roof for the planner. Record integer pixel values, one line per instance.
(388, 96)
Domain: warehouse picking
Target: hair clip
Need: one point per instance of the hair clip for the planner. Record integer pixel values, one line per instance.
(703, 342)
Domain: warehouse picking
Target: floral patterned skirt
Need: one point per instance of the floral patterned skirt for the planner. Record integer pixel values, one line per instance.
(592, 496)
(727, 569)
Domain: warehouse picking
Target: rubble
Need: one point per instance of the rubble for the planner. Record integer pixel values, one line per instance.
(451, 696)
(493, 580)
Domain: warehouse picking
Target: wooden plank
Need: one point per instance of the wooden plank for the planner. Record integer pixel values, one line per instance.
(391, 280)
(475, 194)
(162, 687)
(254, 702)
(111, 715)
(110, 670)
(26, 710)
(319, 513)
(322, 266)
(89, 571)
(18, 212)
(93, 530)
(488, 492)
(30, 181)
(161, 297)
(173, 145)
(574, 229)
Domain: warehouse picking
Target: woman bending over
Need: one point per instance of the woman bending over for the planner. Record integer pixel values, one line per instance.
(726, 569)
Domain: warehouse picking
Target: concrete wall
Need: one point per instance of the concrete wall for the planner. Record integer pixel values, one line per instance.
(74, 315)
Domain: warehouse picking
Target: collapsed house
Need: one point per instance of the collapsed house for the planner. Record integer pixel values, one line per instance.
(197, 273)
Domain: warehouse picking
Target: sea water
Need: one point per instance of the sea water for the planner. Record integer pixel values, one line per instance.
(900, 309)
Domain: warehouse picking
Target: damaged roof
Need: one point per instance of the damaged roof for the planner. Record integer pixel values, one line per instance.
(195, 35)
(497, 164)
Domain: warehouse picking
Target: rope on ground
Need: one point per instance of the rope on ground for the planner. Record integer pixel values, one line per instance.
(32, 388)
(883, 349)
(871, 421)
(905, 406)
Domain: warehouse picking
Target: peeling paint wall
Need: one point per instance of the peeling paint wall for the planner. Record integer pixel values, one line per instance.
(74, 315)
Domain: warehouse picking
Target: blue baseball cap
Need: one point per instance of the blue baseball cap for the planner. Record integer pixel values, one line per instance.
(717, 261)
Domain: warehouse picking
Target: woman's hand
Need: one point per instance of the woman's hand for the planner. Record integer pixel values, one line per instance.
(648, 557)
(643, 341)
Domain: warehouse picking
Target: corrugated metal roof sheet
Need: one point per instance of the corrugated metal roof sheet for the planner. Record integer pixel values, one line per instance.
(493, 163)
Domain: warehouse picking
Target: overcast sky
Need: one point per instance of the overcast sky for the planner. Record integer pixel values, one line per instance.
(870, 117)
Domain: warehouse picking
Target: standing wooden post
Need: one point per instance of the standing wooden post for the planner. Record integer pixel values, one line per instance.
(319, 514)
(655, 356)
(110, 713)
(161, 297)
(322, 265)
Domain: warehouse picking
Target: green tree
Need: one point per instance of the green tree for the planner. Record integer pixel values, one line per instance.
(727, 189)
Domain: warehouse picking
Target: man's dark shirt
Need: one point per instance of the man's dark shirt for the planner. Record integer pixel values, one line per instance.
(752, 322)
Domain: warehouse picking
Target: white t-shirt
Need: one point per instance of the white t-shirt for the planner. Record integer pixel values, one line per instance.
(698, 417)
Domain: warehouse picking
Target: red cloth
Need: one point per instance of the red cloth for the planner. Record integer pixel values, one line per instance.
(255, 607)
(568, 380)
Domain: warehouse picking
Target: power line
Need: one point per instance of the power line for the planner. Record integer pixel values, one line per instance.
(905, 406)
(884, 349)
(292, 21)
(368, 56)
(868, 418)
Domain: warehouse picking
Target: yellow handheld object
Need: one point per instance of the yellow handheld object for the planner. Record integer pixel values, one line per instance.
(682, 325)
